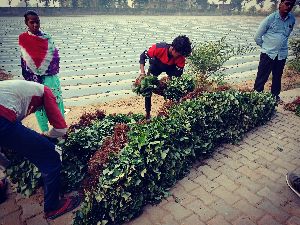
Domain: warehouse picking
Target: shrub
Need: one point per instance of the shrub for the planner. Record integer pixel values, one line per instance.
(159, 153)
(294, 63)
(208, 58)
(177, 87)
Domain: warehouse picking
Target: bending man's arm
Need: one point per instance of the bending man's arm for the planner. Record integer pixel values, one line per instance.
(54, 115)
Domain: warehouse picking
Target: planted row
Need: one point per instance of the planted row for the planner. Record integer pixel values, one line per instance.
(160, 153)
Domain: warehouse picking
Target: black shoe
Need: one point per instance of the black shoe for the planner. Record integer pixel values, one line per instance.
(293, 181)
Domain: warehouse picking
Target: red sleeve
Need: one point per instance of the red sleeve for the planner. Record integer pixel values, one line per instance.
(152, 51)
(53, 113)
(180, 62)
(7, 113)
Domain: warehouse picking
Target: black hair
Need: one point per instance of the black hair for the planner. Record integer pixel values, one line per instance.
(30, 13)
(182, 45)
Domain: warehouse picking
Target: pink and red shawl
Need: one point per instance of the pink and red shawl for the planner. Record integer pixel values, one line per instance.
(39, 56)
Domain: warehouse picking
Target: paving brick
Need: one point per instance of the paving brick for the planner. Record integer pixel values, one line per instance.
(293, 221)
(248, 155)
(30, 208)
(232, 154)
(268, 173)
(284, 164)
(266, 164)
(252, 165)
(243, 220)
(154, 213)
(275, 186)
(282, 171)
(166, 220)
(8, 206)
(206, 197)
(193, 174)
(265, 155)
(224, 181)
(178, 211)
(178, 189)
(292, 208)
(233, 163)
(249, 184)
(228, 212)
(277, 213)
(138, 221)
(229, 172)
(218, 220)
(206, 183)
(250, 196)
(192, 220)
(226, 195)
(266, 148)
(214, 164)
(40, 220)
(289, 194)
(250, 141)
(249, 172)
(276, 198)
(249, 210)
(12, 218)
(268, 220)
(184, 198)
(205, 213)
(209, 172)
(187, 184)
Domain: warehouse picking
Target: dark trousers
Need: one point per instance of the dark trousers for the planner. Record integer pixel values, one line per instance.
(156, 68)
(39, 151)
(265, 67)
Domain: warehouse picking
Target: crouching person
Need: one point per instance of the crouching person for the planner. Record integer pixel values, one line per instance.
(19, 98)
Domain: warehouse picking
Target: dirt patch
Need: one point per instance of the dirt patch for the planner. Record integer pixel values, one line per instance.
(5, 76)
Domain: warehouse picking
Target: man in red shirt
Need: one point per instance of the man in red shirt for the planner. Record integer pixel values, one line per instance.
(168, 58)
(19, 98)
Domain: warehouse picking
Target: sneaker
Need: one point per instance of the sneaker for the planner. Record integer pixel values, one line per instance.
(66, 205)
(3, 188)
(293, 181)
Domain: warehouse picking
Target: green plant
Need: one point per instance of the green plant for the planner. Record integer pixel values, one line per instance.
(145, 86)
(294, 63)
(208, 57)
(82, 143)
(23, 173)
(159, 153)
(177, 87)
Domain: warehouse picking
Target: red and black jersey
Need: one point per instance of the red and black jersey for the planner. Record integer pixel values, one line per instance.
(160, 57)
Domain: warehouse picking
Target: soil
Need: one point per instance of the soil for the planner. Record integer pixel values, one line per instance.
(290, 80)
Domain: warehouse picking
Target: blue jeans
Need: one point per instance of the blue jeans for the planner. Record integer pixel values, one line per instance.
(39, 151)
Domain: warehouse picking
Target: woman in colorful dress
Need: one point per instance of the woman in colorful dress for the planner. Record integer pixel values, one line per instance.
(40, 62)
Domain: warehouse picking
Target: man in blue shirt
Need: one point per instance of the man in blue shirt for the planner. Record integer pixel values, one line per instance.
(272, 36)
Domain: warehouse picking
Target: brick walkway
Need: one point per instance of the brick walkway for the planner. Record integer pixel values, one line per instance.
(241, 184)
